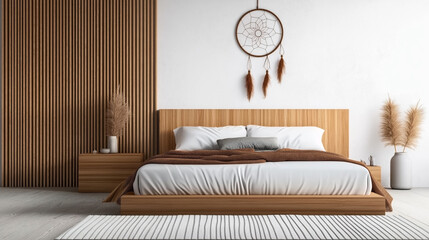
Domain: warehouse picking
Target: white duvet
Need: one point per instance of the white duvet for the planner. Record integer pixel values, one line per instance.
(271, 178)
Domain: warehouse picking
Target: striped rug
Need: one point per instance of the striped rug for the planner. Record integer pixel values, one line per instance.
(246, 227)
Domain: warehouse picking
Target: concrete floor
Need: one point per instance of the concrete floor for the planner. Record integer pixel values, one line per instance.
(45, 213)
(412, 203)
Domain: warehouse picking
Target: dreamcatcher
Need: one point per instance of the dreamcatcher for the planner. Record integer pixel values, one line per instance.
(259, 33)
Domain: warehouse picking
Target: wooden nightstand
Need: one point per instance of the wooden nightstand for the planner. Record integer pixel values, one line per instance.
(103, 172)
(376, 172)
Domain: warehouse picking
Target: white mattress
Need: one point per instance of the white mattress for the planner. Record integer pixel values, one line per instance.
(272, 178)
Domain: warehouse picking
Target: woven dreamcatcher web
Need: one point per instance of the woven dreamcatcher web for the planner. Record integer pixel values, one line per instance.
(259, 32)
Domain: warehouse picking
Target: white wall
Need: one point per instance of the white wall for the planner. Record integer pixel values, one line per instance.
(340, 54)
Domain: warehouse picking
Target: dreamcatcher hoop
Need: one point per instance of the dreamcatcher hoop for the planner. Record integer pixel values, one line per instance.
(260, 29)
(259, 35)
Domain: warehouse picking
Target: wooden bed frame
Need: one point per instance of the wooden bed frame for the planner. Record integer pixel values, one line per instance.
(336, 139)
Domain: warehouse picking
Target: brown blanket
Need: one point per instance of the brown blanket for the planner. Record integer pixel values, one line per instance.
(243, 156)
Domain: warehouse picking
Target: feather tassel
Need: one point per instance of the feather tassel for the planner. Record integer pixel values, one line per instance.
(249, 85)
(266, 82)
(281, 69)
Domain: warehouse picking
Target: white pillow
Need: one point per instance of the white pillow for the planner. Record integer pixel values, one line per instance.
(303, 138)
(205, 138)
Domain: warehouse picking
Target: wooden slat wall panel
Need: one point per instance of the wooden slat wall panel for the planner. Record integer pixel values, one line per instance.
(60, 63)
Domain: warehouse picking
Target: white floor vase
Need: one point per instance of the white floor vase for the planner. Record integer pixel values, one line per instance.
(401, 171)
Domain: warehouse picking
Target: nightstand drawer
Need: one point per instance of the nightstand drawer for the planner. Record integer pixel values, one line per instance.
(376, 172)
(103, 172)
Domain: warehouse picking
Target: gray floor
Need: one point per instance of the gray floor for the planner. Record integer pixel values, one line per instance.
(45, 213)
(412, 203)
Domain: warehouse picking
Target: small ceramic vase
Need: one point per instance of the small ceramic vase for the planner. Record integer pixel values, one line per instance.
(112, 144)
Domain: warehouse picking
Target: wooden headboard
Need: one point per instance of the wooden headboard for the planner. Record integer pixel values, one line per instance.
(334, 121)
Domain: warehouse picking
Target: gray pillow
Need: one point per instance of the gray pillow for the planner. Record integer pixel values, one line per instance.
(257, 143)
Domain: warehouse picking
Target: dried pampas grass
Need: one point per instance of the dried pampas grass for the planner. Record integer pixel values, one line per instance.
(412, 127)
(396, 133)
(391, 127)
(117, 114)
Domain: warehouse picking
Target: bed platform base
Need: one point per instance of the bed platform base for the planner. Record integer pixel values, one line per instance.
(372, 204)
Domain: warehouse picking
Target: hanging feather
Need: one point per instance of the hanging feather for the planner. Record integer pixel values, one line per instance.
(281, 69)
(249, 80)
(249, 85)
(266, 82)
(282, 66)
(267, 66)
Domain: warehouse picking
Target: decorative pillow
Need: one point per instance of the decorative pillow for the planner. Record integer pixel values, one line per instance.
(257, 143)
(205, 138)
(304, 138)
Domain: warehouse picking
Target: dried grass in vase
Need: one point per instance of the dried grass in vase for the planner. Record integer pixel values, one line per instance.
(396, 133)
(117, 114)
(412, 127)
(391, 128)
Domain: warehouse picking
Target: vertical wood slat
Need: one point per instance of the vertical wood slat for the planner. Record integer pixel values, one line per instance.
(60, 63)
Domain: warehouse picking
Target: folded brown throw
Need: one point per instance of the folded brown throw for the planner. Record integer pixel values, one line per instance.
(242, 156)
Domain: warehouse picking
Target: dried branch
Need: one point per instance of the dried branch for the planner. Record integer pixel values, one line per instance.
(391, 128)
(117, 114)
(413, 126)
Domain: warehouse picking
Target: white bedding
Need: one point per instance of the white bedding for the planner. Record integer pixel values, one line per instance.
(272, 178)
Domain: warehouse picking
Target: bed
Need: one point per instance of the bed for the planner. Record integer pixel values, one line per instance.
(351, 195)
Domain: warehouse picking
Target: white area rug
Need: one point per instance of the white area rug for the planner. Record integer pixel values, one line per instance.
(246, 227)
